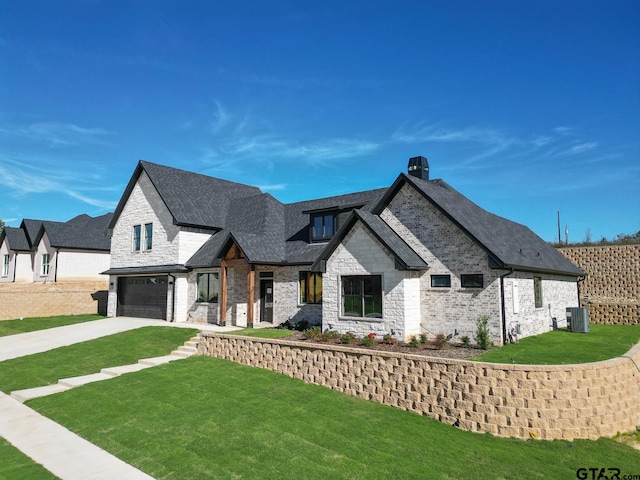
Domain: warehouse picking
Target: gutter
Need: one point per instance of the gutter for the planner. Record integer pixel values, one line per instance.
(503, 307)
(173, 297)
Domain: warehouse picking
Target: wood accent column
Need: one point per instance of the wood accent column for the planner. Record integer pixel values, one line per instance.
(222, 319)
(251, 294)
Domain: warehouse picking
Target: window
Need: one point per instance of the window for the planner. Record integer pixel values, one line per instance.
(440, 280)
(322, 227)
(137, 230)
(5, 266)
(208, 287)
(45, 264)
(362, 296)
(471, 281)
(537, 291)
(310, 287)
(148, 236)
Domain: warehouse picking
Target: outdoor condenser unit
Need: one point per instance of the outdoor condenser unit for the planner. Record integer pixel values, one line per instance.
(578, 319)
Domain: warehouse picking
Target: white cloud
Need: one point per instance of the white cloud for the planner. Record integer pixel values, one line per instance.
(57, 134)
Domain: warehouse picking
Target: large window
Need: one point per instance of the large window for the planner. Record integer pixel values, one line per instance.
(44, 269)
(441, 281)
(148, 236)
(310, 287)
(362, 296)
(208, 287)
(323, 227)
(471, 281)
(137, 233)
(5, 266)
(537, 291)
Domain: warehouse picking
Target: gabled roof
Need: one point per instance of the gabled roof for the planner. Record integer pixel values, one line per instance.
(405, 257)
(509, 244)
(79, 233)
(193, 199)
(31, 228)
(16, 239)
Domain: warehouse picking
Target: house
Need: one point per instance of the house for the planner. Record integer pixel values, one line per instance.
(47, 251)
(417, 257)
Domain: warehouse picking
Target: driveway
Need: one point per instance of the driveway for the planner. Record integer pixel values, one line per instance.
(19, 345)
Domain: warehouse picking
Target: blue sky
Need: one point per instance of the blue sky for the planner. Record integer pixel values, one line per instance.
(526, 107)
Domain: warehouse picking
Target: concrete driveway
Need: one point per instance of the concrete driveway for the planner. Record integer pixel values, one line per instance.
(21, 344)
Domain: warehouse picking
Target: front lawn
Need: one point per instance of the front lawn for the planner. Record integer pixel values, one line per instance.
(210, 418)
(90, 357)
(565, 347)
(15, 465)
(11, 327)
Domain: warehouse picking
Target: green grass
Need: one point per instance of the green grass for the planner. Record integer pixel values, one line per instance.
(15, 465)
(11, 327)
(564, 347)
(90, 357)
(263, 332)
(210, 418)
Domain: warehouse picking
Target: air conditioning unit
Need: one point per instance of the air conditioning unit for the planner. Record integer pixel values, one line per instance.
(578, 319)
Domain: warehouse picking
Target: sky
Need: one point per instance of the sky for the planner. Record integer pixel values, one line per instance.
(529, 108)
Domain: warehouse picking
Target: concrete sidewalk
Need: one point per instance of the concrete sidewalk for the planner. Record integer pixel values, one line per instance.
(60, 451)
(21, 344)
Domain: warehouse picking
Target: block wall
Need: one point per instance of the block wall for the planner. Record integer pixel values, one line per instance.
(48, 299)
(611, 289)
(542, 401)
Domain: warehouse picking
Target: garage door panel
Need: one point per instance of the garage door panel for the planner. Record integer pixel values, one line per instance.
(144, 297)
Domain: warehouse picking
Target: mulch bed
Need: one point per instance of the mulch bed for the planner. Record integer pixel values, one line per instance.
(425, 349)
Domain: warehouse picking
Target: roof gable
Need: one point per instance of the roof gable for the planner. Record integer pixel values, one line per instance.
(16, 239)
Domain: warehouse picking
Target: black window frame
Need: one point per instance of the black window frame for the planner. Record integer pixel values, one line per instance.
(148, 236)
(136, 240)
(441, 277)
(325, 235)
(537, 292)
(308, 283)
(359, 285)
(211, 296)
(467, 280)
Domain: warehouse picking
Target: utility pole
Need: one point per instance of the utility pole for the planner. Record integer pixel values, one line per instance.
(559, 237)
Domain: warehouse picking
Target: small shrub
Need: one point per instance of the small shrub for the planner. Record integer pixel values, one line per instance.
(466, 343)
(423, 338)
(482, 334)
(440, 341)
(331, 335)
(368, 341)
(348, 337)
(313, 333)
(300, 326)
(389, 339)
(414, 342)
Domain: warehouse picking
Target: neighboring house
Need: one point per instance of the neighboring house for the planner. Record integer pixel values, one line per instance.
(46, 251)
(417, 257)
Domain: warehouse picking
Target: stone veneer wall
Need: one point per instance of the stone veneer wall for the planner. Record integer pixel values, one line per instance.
(612, 284)
(544, 401)
(48, 299)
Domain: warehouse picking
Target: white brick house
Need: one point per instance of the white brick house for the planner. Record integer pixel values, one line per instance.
(417, 257)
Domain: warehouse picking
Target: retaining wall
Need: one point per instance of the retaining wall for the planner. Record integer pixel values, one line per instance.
(611, 289)
(48, 299)
(551, 402)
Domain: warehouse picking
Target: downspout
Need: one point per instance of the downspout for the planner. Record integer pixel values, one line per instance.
(581, 278)
(173, 298)
(55, 272)
(15, 266)
(503, 307)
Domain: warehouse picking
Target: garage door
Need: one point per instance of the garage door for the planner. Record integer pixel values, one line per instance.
(144, 297)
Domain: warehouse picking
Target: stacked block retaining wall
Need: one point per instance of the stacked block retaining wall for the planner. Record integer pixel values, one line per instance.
(543, 401)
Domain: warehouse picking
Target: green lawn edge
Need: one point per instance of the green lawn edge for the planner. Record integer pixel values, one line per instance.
(31, 324)
(15, 465)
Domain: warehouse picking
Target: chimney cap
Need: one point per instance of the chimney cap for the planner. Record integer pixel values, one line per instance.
(419, 167)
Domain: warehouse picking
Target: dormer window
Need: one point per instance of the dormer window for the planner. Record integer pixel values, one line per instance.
(323, 226)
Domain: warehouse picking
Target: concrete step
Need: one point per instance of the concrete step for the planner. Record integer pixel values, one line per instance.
(83, 379)
(37, 392)
(192, 343)
(152, 362)
(115, 371)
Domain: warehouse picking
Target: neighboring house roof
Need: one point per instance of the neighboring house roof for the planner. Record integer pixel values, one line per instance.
(79, 233)
(405, 257)
(193, 199)
(31, 228)
(16, 239)
(509, 244)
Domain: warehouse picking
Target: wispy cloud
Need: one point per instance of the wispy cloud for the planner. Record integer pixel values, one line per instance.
(56, 134)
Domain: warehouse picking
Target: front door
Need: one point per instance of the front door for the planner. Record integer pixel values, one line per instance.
(266, 301)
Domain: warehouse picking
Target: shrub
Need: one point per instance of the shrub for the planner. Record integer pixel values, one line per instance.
(331, 335)
(466, 343)
(482, 334)
(440, 341)
(414, 342)
(313, 333)
(423, 338)
(389, 339)
(300, 326)
(348, 337)
(368, 341)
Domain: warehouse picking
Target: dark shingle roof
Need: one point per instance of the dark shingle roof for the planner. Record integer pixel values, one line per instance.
(510, 244)
(16, 238)
(80, 233)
